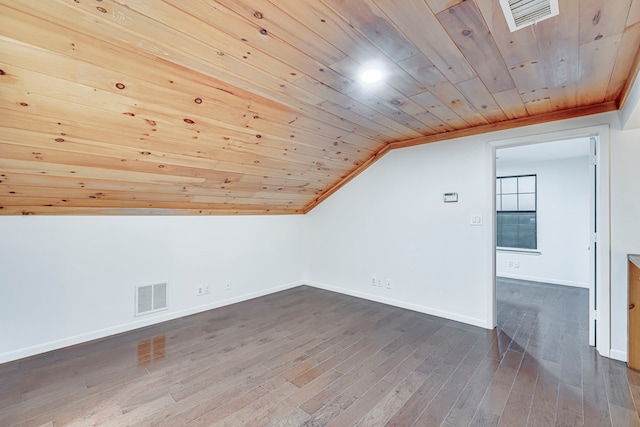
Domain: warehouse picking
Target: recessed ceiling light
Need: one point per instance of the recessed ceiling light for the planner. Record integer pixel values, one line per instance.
(371, 75)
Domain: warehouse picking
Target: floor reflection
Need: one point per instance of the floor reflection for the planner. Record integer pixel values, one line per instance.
(151, 349)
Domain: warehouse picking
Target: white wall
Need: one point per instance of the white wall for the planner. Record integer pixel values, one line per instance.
(563, 223)
(391, 222)
(65, 280)
(625, 229)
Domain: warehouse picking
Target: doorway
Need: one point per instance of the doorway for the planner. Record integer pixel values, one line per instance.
(588, 151)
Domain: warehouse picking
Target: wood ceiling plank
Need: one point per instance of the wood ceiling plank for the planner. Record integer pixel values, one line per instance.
(158, 204)
(48, 83)
(233, 151)
(245, 150)
(510, 124)
(515, 47)
(358, 112)
(558, 43)
(537, 101)
(530, 80)
(238, 21)
(347, 109)
(398, 78)
(42, 140)
(289, 182)
(412, 17)
(382, 98)
(634, 13)
(265, 15)
(597, 59)
(466, 27)
(366, 18)
(597, 21)
(528, 75)
(438, 6)
(625, 61)
(324, 22)
(433, 121)
(423, 70)
(10, 193)
(478, 95)
(450, 96)
(37, 31)
(32, 181)
(237, 76)
(206, 145)
(247, 187)
(222, 99)
(330, 27)
(221, 161)
(12, 165)
(440, 109)
(257, 198)
(218, 93)
(511, 103)
(116, 165)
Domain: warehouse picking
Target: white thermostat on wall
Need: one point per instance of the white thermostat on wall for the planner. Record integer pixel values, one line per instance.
(450, 197)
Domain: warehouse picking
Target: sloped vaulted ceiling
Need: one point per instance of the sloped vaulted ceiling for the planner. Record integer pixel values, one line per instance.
(254, 106)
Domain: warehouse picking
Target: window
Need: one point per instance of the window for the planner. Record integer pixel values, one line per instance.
(516, 205)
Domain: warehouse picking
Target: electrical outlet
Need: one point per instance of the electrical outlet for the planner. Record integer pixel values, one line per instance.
(510, 263)
(516, 264)
(379, 283)
(207, 289)
(200, 290)
(389, 284)
(373, 281)
(227, 285)
(476, 219)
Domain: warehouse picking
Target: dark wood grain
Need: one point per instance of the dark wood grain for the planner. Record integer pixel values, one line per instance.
(308, 357)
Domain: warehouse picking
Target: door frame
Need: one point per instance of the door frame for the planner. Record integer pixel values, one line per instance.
(602, 210)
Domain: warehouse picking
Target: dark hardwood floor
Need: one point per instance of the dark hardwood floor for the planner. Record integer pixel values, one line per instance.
(307, 357)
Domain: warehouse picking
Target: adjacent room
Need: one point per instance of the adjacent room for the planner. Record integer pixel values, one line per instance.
(319, 212)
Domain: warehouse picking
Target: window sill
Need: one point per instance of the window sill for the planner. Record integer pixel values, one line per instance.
(520, 251)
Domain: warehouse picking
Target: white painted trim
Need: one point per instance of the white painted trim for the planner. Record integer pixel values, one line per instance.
(492, 312)
(519, 251)
(618, 355)
(149, 321)
(402, 304)
(544, 280)
(603, 255)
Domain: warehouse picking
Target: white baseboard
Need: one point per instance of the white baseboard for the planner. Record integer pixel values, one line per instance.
(403, 304)
(618, 355)
(126, 327)
(166, 316)
(543, 280)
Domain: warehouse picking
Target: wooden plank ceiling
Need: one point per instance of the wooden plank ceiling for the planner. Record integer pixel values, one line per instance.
(255, 106)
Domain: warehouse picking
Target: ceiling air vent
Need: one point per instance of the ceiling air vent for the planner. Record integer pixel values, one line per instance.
(522, 13)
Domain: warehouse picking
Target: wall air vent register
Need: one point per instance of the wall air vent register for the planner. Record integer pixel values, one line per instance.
(150, 299)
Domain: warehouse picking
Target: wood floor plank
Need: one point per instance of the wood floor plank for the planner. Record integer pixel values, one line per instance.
(309, 357)
(497, 394)
(386, 407)
(518, 405)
